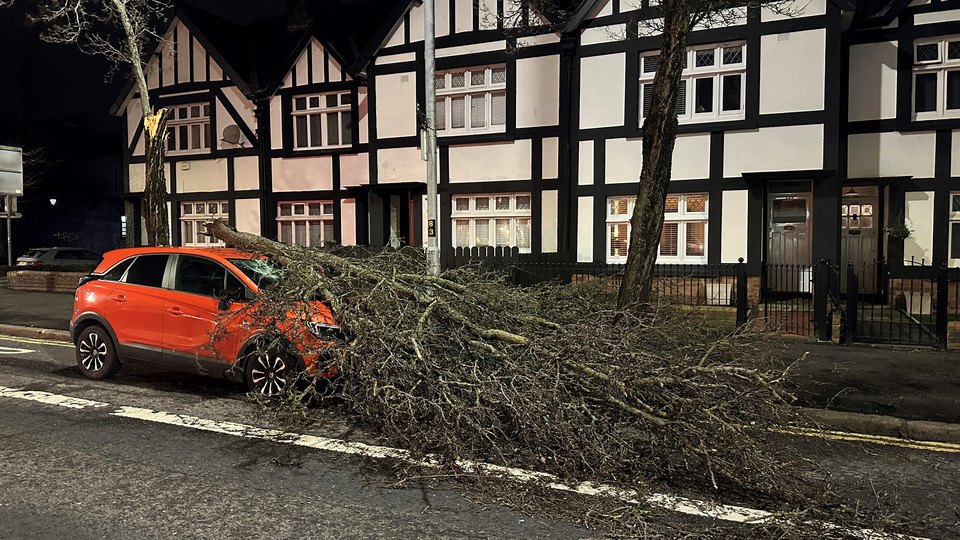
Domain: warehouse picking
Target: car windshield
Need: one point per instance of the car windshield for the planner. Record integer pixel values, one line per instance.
(35, 253)
(263, 272)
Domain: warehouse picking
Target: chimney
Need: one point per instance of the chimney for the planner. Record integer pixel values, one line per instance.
(298, 15)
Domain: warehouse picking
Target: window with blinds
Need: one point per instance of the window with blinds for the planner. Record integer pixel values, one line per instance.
(684, 235)
(493, 219)
(194, 215)
(305, 223)
(472, 100)
(711, 85)
(188, 129)
(322, 121)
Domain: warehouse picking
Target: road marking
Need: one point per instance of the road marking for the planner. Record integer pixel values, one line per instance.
(685, 505)
(51, 399)
(38, 341)
(11, 350)
(931, 446)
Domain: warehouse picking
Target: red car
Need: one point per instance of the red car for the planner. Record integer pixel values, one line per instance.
(162, 306)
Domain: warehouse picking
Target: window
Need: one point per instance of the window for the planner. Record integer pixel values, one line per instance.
(498, 220)
(188, 128)
(936, 78)
(954, 229)
(322, 121)
(854, 217)
(684, 236)
(147, 270)
(711, 84)
(192, 217)
(307, 223)
(472, 100)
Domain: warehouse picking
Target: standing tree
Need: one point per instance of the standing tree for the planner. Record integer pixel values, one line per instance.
(673, 20)
(119, 30)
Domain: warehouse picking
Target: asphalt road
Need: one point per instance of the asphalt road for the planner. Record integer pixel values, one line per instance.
(90, 473)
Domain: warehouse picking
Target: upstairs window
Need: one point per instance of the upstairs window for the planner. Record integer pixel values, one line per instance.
(472, 100)
(308, 223)
(711, 85)
(496, 220)
(188, 128)
(322, 121)
(936, 78)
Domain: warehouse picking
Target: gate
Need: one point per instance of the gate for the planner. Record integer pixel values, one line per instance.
(786, 292)
(899, 310)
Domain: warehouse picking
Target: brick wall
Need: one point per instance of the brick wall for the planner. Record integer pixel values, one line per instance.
(29, 280)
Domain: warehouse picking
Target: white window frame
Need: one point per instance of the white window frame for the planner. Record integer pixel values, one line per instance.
(940, 67)
(692, 73)
(192, 119)
(513, 214)
(488, 91)
(299, 212)
(682, 217)
(310, 108)
(192, 222)
(953, 262)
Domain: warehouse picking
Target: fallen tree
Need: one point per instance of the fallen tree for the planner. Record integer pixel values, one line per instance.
(552, 377)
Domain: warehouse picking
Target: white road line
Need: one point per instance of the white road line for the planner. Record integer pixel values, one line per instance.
(684, 505)
(11, 350)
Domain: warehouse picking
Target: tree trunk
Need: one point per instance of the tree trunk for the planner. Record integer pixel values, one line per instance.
(659, 136)
(155, 188)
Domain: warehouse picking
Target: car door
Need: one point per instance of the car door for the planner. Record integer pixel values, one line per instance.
(134, 308)
(192, 340)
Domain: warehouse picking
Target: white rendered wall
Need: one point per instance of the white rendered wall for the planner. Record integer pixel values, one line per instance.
(733, 226)
(793, 9)
(354, 170)
(248, 215)
(585, 164)
(624, 158)
(348, 222)
(246, 173)
(276, 123)
(464, 16)
(955, 153)
(873, 81)
(792, 71)
(602, 90)
(891, 154)
(138, 179)
(400, 165)
(363, 113)
(773, 149)
(183, 54)
(202, 175)
(134, 119)
(551, 158)
(493, 161)
(243, 106)
(538, 91)
(918, 216)
(396, 105)
(548, 223)
(199, 62)
(302, 174)
(584, 229)
(622, 161)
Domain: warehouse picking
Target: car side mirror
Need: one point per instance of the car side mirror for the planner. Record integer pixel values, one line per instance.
(224, 304)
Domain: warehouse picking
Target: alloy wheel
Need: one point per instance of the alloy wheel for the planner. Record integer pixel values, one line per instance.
(93, 351)
(269, 374)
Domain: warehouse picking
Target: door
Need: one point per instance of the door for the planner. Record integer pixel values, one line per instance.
(859, 232)
(134, 307)
(191, 338)
(788, 248)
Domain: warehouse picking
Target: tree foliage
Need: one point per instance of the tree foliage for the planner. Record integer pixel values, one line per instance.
(123, 31)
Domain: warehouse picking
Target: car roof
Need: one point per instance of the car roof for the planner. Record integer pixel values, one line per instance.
(112, 257)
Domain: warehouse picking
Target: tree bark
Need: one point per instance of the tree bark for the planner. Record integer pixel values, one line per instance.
(659, 136)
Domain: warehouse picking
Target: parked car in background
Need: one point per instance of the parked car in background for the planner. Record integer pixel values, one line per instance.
(162, 306)
(59, 256)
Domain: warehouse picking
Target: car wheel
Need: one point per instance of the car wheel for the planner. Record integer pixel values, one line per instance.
(269, 373)
(96, 356)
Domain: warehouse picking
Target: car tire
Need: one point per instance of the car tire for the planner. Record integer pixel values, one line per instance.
(269, 373)
(96, 356)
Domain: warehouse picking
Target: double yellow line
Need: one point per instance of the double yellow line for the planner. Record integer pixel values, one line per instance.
(38, 341)
(873, 439)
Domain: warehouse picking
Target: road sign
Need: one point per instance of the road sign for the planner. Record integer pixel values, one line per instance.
(11, 171)
(8, 207)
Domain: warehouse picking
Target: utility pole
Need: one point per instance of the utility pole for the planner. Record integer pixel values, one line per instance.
(430, 141)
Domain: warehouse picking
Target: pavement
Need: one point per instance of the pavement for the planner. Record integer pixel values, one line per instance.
(910, 393)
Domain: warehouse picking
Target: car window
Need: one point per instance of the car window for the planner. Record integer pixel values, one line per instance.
(263, 272)
(69, 254)
(147, 270)
(115, 273)
(200, 276)
(35, 253)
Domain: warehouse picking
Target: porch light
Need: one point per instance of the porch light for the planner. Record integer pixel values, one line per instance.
(851, 192)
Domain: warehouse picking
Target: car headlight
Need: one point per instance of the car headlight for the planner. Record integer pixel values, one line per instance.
(325, 331)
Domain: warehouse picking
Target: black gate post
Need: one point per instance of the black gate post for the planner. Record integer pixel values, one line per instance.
(943, 292)
(741, 293)
(821, 280)
(853, 290)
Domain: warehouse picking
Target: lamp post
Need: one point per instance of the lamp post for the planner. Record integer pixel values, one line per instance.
(430, 140)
